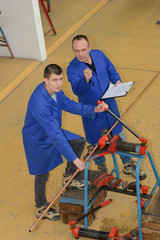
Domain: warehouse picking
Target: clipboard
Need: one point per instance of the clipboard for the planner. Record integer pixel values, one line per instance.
(119, 91)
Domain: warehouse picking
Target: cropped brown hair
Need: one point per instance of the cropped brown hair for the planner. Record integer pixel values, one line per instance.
(52, 68)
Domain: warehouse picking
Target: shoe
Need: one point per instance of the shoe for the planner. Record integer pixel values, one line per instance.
(75, 183)
(51, 214)
(130, 168)
(103, 168)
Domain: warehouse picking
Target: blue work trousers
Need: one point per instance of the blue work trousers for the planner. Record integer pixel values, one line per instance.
(41, 180)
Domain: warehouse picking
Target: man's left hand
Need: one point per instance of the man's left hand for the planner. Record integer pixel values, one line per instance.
(117, 83)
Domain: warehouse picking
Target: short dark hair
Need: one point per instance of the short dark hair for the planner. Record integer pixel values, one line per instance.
(52, 68)
(79, 37)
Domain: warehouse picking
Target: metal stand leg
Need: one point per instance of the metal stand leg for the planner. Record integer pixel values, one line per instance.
(5, 42)
(138, 197)
(153, 167)
(86, 193)
(115, 166)
(48, 18)
(138, 189)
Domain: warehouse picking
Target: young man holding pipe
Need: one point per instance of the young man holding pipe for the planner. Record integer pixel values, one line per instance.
(44, 139)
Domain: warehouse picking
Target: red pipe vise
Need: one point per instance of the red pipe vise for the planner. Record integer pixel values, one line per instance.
(115, 144)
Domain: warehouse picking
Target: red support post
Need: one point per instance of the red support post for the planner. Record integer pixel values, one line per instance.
(47, 16)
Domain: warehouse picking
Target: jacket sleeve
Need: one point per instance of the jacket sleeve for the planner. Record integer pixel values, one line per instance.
(77, 80)
(48, 122)
(112, 72)
(71, 106)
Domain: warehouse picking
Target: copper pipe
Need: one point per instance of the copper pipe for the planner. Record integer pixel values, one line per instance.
(61, 191)
(55, 198)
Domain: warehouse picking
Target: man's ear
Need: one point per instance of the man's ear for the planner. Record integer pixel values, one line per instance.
(90, 47)
(45, 80)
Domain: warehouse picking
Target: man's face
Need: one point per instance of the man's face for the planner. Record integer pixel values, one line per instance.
(81, 50)
(54, 83)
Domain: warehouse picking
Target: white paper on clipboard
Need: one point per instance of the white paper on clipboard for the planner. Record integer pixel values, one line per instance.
(120, 90)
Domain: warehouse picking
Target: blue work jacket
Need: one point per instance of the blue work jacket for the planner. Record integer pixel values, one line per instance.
(90, 93)
(44, 140)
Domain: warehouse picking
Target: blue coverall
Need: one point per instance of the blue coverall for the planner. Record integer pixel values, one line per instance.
(44, 139)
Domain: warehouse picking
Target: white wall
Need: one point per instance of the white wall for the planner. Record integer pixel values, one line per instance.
(21, 23)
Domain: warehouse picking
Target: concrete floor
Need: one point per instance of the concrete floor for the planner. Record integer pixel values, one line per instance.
(127, 32)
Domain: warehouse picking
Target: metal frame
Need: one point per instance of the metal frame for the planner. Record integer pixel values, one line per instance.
(47, 16)
(139, 210)
(3, 39)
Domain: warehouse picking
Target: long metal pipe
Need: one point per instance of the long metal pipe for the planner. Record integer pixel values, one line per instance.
(61, 191)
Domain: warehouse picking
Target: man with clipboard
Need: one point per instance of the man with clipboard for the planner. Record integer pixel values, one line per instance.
(90, 74)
